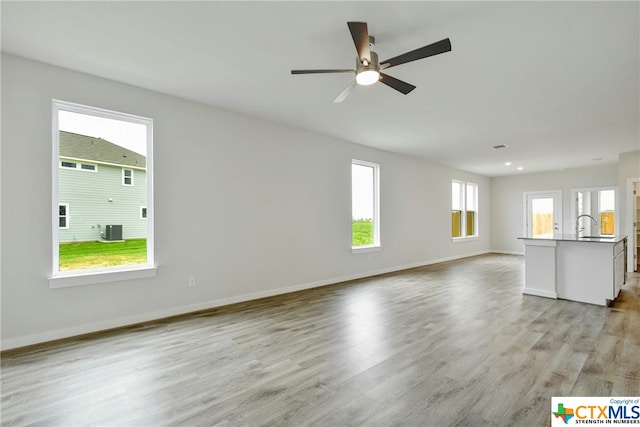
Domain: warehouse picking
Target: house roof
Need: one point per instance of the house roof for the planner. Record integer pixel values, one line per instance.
(85, 147)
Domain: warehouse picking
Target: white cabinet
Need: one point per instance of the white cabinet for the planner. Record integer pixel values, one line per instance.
(591, 271)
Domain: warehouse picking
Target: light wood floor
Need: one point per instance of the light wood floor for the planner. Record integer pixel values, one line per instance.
(450, 344)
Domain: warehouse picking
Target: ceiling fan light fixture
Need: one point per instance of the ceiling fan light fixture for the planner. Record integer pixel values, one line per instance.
(367, 77)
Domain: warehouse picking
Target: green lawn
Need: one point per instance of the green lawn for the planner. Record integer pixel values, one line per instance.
(361, 232)
(85, 255)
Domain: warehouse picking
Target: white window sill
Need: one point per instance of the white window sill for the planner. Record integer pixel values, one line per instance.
(365, 249)
(464, 239)
(65, 280)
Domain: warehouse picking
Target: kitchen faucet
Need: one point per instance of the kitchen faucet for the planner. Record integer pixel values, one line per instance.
(578, 223)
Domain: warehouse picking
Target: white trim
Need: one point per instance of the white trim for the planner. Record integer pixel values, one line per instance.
(629, 217)
(92, 277)
(76, 278)
(464, 239)
(365, 249)
(7, 344)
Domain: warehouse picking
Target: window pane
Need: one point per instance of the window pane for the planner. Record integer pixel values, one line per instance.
(102, 211)
(363, 205)
(456, 196)
(68, 165)
(471, 197)
(456, 223)
(542, 217)
(471, 223)
(607, 200)
(607, 222)
(62, 210)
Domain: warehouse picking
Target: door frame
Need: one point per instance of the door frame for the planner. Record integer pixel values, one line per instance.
(557, 200)
(629, 220)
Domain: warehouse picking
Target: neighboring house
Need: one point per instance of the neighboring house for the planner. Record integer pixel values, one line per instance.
(101, 183)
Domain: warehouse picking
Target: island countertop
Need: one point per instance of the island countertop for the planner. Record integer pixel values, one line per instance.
(573, 238)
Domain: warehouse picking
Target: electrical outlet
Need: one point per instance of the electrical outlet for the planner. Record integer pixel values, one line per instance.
(191, 282)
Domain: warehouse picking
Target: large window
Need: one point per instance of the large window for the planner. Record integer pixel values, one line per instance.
(106, 240)
(600, 204)
(464, 209)
(365, 205)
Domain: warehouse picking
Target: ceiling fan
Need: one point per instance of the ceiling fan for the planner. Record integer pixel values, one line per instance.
(369, 70)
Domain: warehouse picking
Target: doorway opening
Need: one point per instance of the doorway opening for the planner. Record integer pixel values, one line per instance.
(543, 213)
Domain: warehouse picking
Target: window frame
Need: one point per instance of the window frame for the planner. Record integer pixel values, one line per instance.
(66, 216)
(464, 236)
(62, 279)
(377, 244)
(598, 214)
(124, 177)
(78, 165)
(68, 165)
(144, 212)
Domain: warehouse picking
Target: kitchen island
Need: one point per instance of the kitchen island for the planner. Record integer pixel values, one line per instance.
(584, 269)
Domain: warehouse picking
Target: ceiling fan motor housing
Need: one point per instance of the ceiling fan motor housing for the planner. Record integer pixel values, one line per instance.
(371, 68)
(365, 65)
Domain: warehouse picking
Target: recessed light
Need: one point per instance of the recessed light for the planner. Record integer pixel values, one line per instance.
(508, 163)
(520, 168)
(499, 146)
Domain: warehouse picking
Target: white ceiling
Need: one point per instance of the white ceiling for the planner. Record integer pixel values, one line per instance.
(557, 82)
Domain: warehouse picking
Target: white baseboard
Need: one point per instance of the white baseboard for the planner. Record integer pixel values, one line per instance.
(540, 293)
(11, 343)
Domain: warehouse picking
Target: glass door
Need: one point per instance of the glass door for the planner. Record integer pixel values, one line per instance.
(543, 215)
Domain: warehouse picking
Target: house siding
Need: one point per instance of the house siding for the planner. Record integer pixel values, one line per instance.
(88, 193)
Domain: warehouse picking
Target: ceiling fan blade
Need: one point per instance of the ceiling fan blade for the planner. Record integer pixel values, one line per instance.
(432, 49)
(360, 35)
(396, 84)
(339, 70)
(347, 90)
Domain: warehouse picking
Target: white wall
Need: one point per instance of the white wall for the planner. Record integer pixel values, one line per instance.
(507, 205)
(248, 206)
